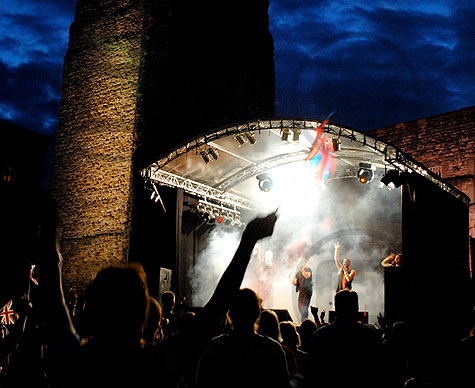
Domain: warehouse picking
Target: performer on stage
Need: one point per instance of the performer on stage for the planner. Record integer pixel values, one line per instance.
(393, 260)
(303, 282)
(265, 286)
(345, 273)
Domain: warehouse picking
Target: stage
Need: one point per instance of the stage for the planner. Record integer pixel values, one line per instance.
(356, 190)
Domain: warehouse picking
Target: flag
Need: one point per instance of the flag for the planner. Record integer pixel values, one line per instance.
(35, 282)
(6, 314)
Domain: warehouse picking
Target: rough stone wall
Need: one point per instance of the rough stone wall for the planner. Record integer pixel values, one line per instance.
(444, 143)
(92, 164)
(141, 76)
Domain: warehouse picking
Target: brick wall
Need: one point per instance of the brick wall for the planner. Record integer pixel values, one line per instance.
(444, 143)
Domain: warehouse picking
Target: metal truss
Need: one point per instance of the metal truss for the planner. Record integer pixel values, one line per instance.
(403, 162)
(392, 156)
(260, 167)
(201, 190)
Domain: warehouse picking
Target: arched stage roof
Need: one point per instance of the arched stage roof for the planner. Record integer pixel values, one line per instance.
(227, 181)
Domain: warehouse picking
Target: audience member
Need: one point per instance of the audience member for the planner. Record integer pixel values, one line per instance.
(268, 325)
(396, 348)
(120, 336)
(243, 358)
(306, 330)
(345, 352)
(152, 331)
(192, 339)
(291, 339)
(113, 352)
(168, 314)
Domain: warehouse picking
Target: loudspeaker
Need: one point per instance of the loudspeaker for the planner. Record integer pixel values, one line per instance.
(283, 315)
(165, 280)
(361, 316)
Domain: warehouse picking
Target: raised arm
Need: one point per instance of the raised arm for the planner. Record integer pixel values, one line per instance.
(292, 280)
(337, 253)
(53, 306)
(230, 282)
(388, 260)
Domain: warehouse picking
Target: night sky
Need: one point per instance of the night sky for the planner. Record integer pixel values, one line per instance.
(373, 65)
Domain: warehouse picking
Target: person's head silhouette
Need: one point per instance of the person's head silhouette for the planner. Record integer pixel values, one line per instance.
(244, 310)
(346, 304)
(116, 307)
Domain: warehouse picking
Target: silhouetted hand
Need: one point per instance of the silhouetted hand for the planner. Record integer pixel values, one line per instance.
(260, 227)
(382, 322)
(314, 311)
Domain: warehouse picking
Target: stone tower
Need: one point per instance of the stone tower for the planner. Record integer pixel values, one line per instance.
(140, 77)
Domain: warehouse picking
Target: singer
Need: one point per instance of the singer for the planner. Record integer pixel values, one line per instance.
(345, 273)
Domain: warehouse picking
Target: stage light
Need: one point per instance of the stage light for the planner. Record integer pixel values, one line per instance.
(155, 194)
(237, 220)
(265, 182)
(220, 220)
(392, 179)
(366, 173)
(251, 138)
(205, 156)
(240, 140)
(213, 152)
(296, 135)
(285, 134)
(336, 144)
(229, 220)
(213, 216)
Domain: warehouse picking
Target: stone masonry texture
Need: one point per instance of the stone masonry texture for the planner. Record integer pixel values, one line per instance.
(139, 77)
(91, 169)
(444, 143)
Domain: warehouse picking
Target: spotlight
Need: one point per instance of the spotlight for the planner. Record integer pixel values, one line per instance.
(229, 220)
(156, 197)
(155, 194)
(265, 182)
(366, 173)
(213, 217)
(213, 152)
(336, 144)
(285, 134)
(240, 140)
(237, 220)
(205, 156)
(392, 179)
(296, 135)
(251, 138)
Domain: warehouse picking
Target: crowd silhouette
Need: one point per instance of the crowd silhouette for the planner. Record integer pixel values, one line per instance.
(120, 336)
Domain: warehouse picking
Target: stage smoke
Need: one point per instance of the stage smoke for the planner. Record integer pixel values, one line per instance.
(364, 219)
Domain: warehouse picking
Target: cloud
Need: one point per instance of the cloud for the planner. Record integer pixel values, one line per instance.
(33, 42)
(34, 31)
(374, 66)
(29, 95)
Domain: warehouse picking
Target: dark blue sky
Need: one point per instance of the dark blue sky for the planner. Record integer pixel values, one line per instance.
(373, 65)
